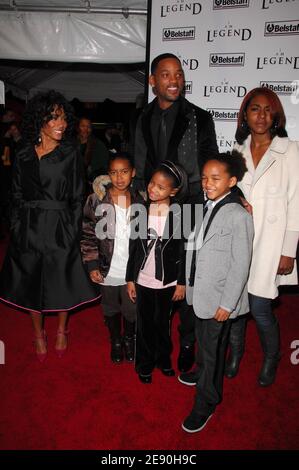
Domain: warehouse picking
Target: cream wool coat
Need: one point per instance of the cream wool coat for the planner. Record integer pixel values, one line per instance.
(273, 191)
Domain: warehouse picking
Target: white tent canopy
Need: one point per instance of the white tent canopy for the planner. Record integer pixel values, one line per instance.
(71, 32)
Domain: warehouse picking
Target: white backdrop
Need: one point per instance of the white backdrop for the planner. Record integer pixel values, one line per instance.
(228, 47)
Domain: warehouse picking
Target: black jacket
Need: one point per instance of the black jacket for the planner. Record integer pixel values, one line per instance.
(173, 250)
(190, 121)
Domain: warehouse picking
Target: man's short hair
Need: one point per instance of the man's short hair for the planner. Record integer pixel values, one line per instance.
(160, 57)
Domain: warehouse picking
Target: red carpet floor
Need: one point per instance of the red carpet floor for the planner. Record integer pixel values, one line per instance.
(82, 401)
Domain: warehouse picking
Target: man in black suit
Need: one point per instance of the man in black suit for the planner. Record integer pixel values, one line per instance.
(172, 128)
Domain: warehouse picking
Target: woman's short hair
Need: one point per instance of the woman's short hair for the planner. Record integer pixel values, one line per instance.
(279, 119)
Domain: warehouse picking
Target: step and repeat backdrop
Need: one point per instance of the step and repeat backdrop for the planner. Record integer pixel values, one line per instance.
(228, 47)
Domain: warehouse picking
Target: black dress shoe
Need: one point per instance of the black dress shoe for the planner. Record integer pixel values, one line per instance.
(186, 358)
(168, 372)
(145, 379)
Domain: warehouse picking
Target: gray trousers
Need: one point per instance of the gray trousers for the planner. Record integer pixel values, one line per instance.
(116, 300)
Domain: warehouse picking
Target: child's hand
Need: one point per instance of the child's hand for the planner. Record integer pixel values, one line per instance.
(96, 276)
(221, 314)
(131, 290)
(179, 293)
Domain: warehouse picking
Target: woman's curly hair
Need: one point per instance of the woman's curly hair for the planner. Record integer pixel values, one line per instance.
(38, 112)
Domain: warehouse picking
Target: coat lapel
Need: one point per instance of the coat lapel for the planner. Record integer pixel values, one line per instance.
(173, 222)
(265, 163)
(277, 147)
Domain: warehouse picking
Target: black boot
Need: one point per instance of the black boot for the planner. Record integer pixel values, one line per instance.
(271, 346)
(129, 340)
(237, 346)
(114, 326)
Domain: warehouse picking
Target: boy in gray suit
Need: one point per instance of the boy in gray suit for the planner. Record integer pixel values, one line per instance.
(217, 268)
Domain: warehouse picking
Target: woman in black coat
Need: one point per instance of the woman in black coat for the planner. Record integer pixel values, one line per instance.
(43, 271)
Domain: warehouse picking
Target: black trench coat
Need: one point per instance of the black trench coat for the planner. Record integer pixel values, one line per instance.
(43, 270)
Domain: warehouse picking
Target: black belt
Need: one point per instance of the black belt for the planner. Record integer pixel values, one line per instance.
(46, 205)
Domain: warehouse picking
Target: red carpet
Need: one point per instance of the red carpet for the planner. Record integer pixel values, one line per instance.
(82, 401)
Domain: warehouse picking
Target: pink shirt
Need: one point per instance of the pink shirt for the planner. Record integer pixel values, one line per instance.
(146, 276)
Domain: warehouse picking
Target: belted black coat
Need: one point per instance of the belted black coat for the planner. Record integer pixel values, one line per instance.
(43, 269)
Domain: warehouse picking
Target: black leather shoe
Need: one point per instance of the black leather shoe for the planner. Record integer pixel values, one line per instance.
(145, 379)
(195, 422)
(186, 358)
(168, 372)
(116, 352)
(189, 378)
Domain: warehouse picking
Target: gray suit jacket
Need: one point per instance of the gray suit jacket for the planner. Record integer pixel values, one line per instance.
(222, 264)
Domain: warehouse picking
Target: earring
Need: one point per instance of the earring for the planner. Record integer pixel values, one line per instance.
(244, 126)
(39, 139)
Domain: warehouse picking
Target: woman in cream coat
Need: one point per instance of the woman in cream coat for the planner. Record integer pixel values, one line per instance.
(271, 187)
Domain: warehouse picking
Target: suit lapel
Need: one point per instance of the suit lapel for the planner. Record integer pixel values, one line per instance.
(229, 199)
(179, 129)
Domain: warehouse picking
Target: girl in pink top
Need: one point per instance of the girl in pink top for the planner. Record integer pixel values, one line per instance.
(156, 270)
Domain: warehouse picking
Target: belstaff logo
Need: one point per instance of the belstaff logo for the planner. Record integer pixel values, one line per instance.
(224, 114)
(229, 59)
(188, 88)
(281, 28)
(181, 6)
(225, 89)
(279, 59)
(266, 4)
(280, 87)
(228, 31)
(221, 4)
(190, 64)
(178, 34)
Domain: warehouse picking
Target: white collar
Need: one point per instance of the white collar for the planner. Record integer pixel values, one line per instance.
(212, 204)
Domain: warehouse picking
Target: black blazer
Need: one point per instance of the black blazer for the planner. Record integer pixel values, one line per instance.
(173, 250)
(146, 159)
